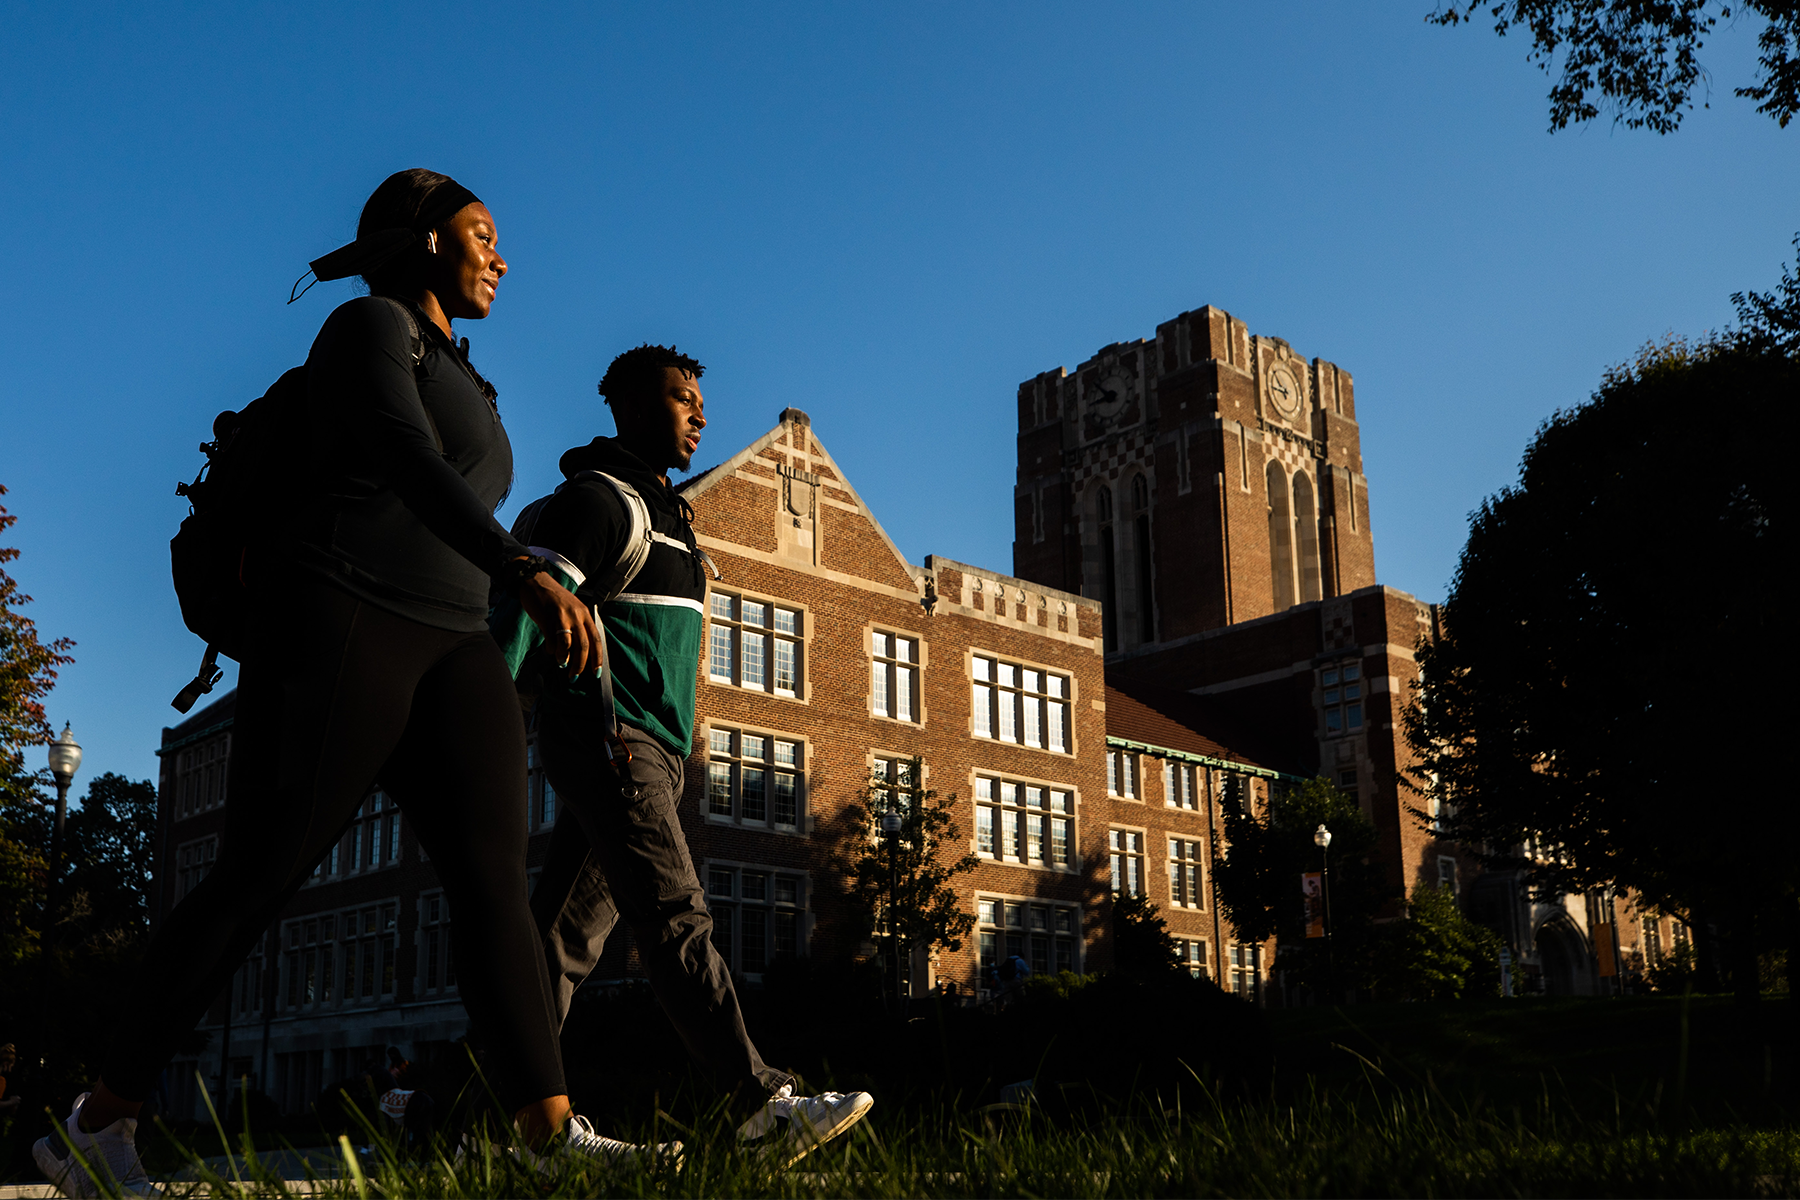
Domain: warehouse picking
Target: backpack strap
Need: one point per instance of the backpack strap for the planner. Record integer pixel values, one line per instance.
(638, 538)
(411, 320)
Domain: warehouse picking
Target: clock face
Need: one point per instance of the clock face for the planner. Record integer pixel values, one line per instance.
(1284, 391)
(1111, 394)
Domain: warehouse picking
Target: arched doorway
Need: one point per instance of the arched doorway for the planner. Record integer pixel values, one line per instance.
(1567, 965)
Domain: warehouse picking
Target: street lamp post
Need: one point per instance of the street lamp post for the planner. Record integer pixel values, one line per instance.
(890, 828)
(65, 760)
(1322, 839)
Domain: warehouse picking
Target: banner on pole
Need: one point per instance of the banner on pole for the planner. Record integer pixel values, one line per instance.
(1312, 887)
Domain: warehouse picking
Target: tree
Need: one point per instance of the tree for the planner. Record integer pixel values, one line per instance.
(1772, 319)
(1641, 57)
(1436, 953)
(1607, 698)
(1142, 946)
(27, 673)
(904, 883)
(109, 848)
(1267, 851)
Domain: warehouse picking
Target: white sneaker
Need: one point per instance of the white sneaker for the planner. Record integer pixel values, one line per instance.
(110, 1153)
(801, 1124)
(579, 1139)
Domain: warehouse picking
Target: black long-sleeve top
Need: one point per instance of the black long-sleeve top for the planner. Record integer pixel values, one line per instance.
(402, 524)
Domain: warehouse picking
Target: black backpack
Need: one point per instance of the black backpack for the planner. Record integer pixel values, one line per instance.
(243, 495)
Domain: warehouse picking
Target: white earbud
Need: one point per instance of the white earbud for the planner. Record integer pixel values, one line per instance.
(431, 242)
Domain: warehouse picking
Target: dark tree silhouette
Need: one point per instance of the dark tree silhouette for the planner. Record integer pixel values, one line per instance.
(1641, 57)
(1604, 703)
(1142, 946)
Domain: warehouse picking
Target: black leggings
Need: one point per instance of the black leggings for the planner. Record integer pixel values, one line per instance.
(337, 695)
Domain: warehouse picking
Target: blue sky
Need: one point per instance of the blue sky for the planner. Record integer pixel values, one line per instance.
(885, 215)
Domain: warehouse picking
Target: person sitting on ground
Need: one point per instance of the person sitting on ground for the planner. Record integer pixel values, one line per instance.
(618, 849)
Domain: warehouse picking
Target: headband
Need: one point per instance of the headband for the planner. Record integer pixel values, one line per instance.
(369, 252)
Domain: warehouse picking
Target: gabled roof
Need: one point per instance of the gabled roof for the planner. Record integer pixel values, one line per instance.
(1172, 720)
(799, 425)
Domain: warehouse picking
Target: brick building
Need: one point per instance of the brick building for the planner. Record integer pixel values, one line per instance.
(1207, 486)
(995, 685)
(830, 662)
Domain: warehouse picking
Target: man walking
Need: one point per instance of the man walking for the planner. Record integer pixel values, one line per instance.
(613, 746)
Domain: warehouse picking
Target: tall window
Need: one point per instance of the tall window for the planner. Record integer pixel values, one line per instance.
(758, 915)
(1044, 935)
(899, 773)
(1235, 794)
(1242, 980)
(1281, 537)
(1022, 705)
(1306, 538)
(1191, 953)
(192, 864)
(1181, 785)
(371, 949)
(311, 961)
(1024, 823)
(373, 839)
(894, 676)
(1652, 940)
(1127, 847)
(754, 644)
(1109, 566)
(1122, 773)
(1342, 685)
(436, 970)
(200, 776)
(1140, 530)
(753, 778)
(1346, 782)
(1187, 877)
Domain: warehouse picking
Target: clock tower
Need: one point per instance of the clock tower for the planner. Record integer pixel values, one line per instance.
(1206, 485)
(1196, 480)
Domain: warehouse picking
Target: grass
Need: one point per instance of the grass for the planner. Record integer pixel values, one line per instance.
(1401, 1144)
(1520, 1098)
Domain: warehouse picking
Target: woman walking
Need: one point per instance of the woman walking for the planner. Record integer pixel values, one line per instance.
(370, 662)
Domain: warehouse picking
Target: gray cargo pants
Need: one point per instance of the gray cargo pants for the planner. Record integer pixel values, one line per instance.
(614, 856)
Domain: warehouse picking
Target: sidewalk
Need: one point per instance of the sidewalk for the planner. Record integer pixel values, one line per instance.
(326, 1165)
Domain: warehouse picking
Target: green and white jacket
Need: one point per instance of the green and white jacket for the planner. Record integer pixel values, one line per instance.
(620, 539)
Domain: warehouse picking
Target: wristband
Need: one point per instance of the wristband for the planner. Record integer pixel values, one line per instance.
(518, 570)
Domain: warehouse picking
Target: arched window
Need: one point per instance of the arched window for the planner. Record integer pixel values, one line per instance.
(1140, 546)
(1306, 537)
(1281, 538)
(1109, 590)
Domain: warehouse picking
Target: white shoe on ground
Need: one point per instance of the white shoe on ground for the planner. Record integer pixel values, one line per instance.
(579, 1140)
(110, 1153)
(798, 1125)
